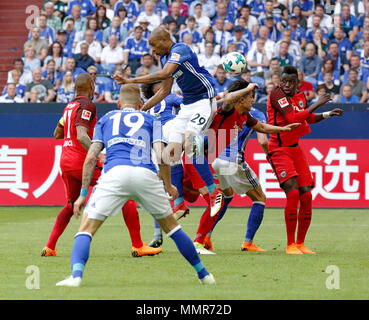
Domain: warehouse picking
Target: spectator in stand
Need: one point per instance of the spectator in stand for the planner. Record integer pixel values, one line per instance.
(147, 64)
(280, 10)
(99, 85)
(111, 56)
(325, 20)
(221, 36)
(202, 20)
(46, 33)
(209, 37)
(20, 88)
(220, 79)
(60, 8)
(53, 21)
(190, 29)
(67, 48)
(174, 15)
(347, 96)
(144, 24)
(132, 8)
(70, 31)
(26, 75)
(350, 19)
(11, 95)
(320, 42)
(209, 60)
(43, 87)
(134, 49)
(275, 78)
(305, 86)
(102, 20)
(332, 89)
(187, 39)
(344, 43)
(112, 89)
(364, 55)
(274, 67)
(268, 13)
(66, 91)
(251, 23)
(316, 24)
(257, 59)
(274, 31)
(208, 7)
(268, 89)
(293, 46)
(355, 63)
(56, 54)
(160, 8)
(116, 28)
(310, 64)
(328, 66)
(257, 7)
(302, 21)
(307, 7)
(358, 87)
(183, 8)
(298, 33)
(70, 65)
(150, 15)
(172, 29)
(39, 44)
(91, 24)
(88, 7)
(50, 73)
(125, 22)
(339, 59)
(364, 36)
(321, 90)
(34, 96)
(243, 46)
(269, 45)
(283, 56)
(83, 59)
(30, 60)
(79, 20)
(224, 15)
(94, 47)
(247, 35)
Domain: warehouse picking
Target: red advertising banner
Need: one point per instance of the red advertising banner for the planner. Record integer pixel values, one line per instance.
(30, 173)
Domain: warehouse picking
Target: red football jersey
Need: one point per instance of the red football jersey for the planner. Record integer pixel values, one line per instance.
(281, 111)
(225, 128)
(79, 112)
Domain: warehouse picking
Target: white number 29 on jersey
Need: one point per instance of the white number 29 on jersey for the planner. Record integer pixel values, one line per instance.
(127, 121)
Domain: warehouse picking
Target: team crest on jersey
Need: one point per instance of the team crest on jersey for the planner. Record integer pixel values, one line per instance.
(283, 102)
(86, 114)
(283, 174)
(301, 104)
(175, 57)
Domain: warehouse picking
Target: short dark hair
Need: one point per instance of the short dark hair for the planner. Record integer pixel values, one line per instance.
(289, 70)
(237, 85)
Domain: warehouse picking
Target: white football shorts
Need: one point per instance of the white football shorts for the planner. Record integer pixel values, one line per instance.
(121, 183)
(239, 176)
(195, 117)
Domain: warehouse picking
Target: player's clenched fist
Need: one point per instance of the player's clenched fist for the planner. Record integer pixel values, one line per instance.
(172, 191)
(119, 79)
(80, 202)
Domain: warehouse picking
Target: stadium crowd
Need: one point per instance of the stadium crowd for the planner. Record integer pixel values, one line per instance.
(327, 40)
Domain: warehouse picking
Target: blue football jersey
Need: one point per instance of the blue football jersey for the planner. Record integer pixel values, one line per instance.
(167, 109)
(195, 82)
(128, 135)
(236, 149)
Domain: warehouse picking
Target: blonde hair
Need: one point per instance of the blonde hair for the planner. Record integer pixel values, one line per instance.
(68, 86)
(130, 94)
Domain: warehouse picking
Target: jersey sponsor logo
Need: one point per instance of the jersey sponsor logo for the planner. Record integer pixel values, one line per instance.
(283, 102)
(175, 57)
(68, 143)
(72, 105)
(86, 114)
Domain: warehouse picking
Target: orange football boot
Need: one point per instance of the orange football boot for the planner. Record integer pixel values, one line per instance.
(208, 244)
(304, 249)
(47, 252)
(293, 249)
(249, 246)
(145, 250)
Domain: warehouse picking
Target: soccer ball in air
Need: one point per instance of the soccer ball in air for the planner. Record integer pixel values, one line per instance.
(233, 62)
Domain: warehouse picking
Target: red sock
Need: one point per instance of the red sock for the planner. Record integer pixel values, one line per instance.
(304, 218)
(132, 220)
(60, 224)
(206, 223)
(290, 214)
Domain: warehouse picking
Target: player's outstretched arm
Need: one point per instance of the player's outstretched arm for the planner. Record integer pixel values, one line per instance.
(88, 171)
(268, 128)
(229, 98)
(162, 74)
(325, 115)
(263, 141)
(322, 100)
(165, 89)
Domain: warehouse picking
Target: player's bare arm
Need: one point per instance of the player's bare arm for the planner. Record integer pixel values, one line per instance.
(268, 128)
(83, 137)
(328, 114)
(87, 173)
(322, 100)
(166, 88)
(59, 129)
(229, 98)
(163, 74)
(263, 141)
(163, 160)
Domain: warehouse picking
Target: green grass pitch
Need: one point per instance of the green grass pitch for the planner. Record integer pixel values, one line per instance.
(339, 236)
